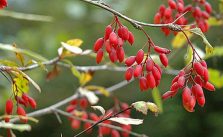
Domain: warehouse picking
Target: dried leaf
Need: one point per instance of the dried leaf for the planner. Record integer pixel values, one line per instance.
(92, 98)
(99, 89)
(141, 106)
(100, 108)
(152, 107)
(20, 85)
(54, 73)
(127, 121)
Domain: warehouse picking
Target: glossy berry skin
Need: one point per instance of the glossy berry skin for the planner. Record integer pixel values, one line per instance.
(129, 73)
(32, 102)
(143, 84)
(188, 99)
(131, 38)
(120, 54)
(22, 112)
(99, 56)
(108, 31)
(98, 44)
(138, 71)
(164, 59)
(3, 4)
(139, 56)
(129, 61)
(9, 106)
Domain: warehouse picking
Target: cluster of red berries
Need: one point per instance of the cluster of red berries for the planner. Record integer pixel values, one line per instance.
(3, 4)
(138, 66)
(82, 104)
(25, 100)
(113, 42)
(197, 77)
(176, 8)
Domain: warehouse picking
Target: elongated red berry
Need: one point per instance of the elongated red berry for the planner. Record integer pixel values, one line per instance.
(156, 73)
(164, 59)
(131, 38)
(208, 7)
(181, 81)
(93, 117)
(108, 31)
(70, 108)
(98, 44)
(168, 13)
(157, 18)
(139, 56)
(99, 56)
(113, 56)
(201, 101)
(84, 103)
(108, 46)
(86, 126)
(162, 9)
(32, 102)
(130, 60)
(197, 91)
(126, 127)
(206, 75)
(143, 84)
(158, 67)
(180, 7)
(188, 99)
(129, 73)
(198, 80)
(120, 42)
(75, 124)
(204, 64)
(125, 33)
(209, 86)
(175, 79)
(120, 54)
(172, 4)
(115, 133)
(161, 50)
(138, 71)
(113, 38)
(21, 112)
(9, 106)
(151, 80)
(169, 94)
(198, 68)
(174, 86)
(149, 64)
(25, 97)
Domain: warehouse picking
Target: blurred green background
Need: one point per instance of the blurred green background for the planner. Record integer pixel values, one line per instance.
(75, 19)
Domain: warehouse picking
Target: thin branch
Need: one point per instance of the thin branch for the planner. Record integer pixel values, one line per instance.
(25, 16)
(135, 23)
(49, 109)
(101, 124)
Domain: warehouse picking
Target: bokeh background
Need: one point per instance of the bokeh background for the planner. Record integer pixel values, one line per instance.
(75, 19)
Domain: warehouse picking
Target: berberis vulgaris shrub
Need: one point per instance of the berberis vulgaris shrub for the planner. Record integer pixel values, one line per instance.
(183, 19)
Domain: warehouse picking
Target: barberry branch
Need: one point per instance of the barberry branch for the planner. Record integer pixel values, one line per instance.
(100, 124)
(135, 23)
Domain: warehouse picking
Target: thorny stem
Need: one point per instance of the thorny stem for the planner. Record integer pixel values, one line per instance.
(102, 120)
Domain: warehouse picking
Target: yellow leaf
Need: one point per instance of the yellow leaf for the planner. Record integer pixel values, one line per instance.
(100, 89)
(85, 78)
(180, 40)
(75, 42)
(212, 21)
(20, 85)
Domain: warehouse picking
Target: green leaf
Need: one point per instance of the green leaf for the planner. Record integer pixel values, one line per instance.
(209, 48)
(189, 55)
(8, 63)
(141, 106)
(212, 21)
(221, 6)
(216, 78)
(157, 99)
(24, 51)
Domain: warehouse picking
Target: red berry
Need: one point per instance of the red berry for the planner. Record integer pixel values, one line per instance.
(181, 81)
(151, 80)
(164, 59)
(180, 7)
(128, 128)
(70, 108)
(162, 10)
(198, 80)
(130, 60)
(25, 97)
(174, 86)
(98, 44)
(204, 64)
(168, 13)
(120, 54)
(201, 101)
(172, 4)
(120, 42)
(129, 74)
(149, 64)
(125, 33)
(143, 84)
(188, 100)
(9, 106)
(113, 56)
(75, 124)
(138, 71)
(84, 103)
(115, 133)
(161, 50)
(32, 102)
(21, 112)
(105, 130)
(175, 79)
(3, 3)
(197, 91)
(206, 75)
(157, 18)
(198, 68)
(131, 38)
(168, 94)
(209, 86)
(139, 56)
(108, 46)
(86, 126)
(93, 117)
(158, 67)
(113, 38)
(156, 73)
(99, 56)
(7, 118)
(125, 106)
(108, 31)
(208, 7)
(205, 15)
